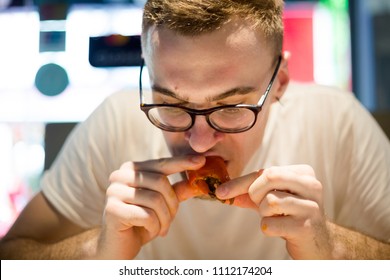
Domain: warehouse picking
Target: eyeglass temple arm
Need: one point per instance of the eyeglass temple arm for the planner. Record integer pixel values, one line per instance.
(141, 97)
(264, 96)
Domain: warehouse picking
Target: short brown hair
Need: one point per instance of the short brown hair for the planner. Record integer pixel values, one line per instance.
(196, 17)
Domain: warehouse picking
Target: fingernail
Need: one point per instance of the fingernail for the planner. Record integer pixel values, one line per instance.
(197, 159)
(163, 233)
(221, 191)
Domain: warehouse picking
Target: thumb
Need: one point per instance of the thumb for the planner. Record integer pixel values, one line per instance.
(244, 201)
(184, 191)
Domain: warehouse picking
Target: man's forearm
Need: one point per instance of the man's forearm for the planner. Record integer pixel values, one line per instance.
(81, 246)
(350, 244)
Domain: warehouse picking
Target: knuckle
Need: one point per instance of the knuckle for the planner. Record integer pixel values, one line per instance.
(127, 165)
(111, 190)
(114, 176)
(307, 169)
(317, 210)
(271, 201)
(313, 183)
(271, 174)
(110, 208)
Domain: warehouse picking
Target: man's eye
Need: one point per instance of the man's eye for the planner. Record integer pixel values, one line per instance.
(173, 110)
(231, 110)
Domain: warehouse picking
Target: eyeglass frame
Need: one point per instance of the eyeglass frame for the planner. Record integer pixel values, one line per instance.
(255, 108)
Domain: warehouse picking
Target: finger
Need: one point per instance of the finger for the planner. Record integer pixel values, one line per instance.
(168, 166)
(289, 227)
(145, 198)
(243, 201)
(153, 181)
(305, 238)
(278, 203)
(287, 179)
(281, 226)
(184, 191)
(241, 185)
(236, 187)
(131, 215)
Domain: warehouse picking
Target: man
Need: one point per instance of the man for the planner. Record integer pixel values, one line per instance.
(308, 165)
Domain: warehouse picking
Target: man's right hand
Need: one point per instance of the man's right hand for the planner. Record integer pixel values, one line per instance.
(140, 205)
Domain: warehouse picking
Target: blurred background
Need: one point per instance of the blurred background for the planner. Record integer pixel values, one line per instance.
(59, 59)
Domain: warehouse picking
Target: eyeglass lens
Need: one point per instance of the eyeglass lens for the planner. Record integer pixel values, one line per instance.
(229, 119)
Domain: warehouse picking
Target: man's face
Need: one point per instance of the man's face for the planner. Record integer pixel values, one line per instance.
(198, 72)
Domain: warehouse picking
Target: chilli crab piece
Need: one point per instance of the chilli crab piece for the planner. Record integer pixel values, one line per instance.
(207, 179)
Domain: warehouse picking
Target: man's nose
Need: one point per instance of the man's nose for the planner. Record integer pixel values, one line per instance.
(202, 137)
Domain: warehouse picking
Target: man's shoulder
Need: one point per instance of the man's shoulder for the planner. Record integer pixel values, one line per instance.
(123, 104)
(124, 97)
(120, 111)
(316, 99)
(298, 90)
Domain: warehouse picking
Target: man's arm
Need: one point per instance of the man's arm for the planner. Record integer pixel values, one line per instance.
(140, 205)
(41, 232)
(349, 244)
(290, 204)
(80, 246)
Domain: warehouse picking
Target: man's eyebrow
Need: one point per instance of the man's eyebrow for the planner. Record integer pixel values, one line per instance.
(233, 92)
(167, 92)
(226, 94)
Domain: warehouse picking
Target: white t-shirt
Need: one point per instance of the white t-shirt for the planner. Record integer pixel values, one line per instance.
(320, 126)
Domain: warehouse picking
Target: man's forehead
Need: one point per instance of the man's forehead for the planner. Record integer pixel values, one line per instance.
(237, 33)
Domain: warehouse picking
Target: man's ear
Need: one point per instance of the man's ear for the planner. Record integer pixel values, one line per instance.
(283, 76)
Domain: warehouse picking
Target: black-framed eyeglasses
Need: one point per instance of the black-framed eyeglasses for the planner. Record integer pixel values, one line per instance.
(226, 118)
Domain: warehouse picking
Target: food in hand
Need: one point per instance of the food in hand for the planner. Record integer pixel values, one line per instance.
(207, 179)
